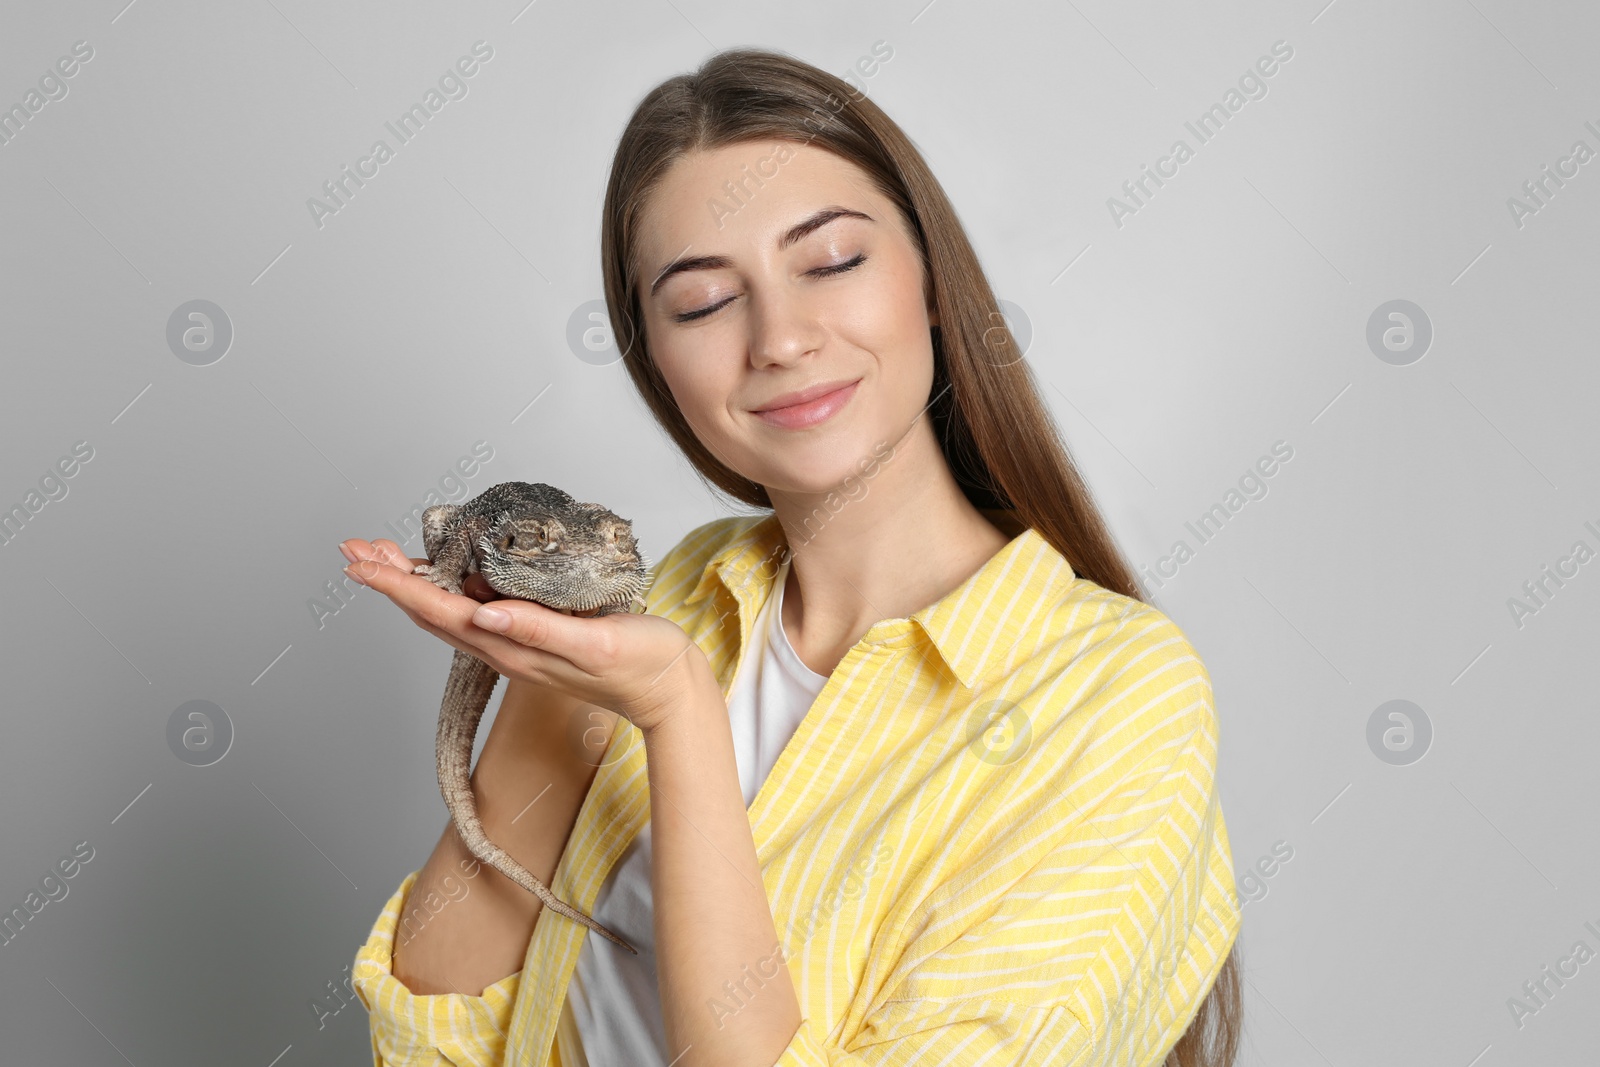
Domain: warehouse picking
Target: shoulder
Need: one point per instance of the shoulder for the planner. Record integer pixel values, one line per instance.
(1114, 680)
(1093, 626)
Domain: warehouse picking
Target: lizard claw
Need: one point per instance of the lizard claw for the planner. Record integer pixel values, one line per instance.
(438, 578)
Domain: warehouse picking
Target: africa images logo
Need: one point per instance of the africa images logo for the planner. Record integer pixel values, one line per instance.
(1209, 123)
(452, 86)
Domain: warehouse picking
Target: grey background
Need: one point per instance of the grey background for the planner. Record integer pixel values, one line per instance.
(1228, 313)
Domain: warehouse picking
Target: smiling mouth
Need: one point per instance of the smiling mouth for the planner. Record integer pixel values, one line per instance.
(802, 396)
(811, 412)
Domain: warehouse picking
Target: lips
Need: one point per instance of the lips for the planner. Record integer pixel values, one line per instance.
(817, 404)
(802, 396)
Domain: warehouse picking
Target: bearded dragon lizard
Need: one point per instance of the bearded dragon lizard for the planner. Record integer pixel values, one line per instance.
(529, 541)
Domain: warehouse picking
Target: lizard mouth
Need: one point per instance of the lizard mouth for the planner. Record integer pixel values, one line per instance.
(572, 584)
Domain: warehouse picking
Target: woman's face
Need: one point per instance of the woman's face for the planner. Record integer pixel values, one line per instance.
(766, 302)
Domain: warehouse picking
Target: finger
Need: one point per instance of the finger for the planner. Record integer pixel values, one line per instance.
(506, 655)
(449, 637)
(476, 587)
(458, 643)
(356, 550)
(414, 594)
(449, 617)
(392, 554)
(383, 550)
(534, 626)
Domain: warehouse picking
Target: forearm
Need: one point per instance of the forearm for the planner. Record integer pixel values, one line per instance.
(530, 781)
(716, 942)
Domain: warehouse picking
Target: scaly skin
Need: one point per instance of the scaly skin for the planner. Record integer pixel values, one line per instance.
(530, 541)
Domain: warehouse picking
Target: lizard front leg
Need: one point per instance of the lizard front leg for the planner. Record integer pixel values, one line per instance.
(466, 695)
(450, 558)
(436, 523)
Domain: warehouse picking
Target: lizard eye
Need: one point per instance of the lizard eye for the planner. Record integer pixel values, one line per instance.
(522, 540)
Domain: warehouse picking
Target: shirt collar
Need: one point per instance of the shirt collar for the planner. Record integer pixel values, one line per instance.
(747, 565)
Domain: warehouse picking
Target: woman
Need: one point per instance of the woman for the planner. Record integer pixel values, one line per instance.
(901, 770)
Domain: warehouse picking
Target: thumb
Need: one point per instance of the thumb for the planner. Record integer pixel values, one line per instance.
(523, 621)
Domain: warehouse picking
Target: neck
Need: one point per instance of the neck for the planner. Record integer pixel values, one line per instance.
(895, 543)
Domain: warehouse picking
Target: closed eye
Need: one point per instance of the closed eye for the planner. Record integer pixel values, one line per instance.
(849, 264)
(820, 272)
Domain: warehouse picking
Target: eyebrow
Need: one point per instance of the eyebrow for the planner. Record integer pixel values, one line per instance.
(795, 233)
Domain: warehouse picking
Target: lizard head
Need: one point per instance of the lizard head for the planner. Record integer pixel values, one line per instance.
(578, 558)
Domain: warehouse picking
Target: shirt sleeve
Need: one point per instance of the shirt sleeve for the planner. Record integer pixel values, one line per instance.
(436, 1030)
(1097, 914)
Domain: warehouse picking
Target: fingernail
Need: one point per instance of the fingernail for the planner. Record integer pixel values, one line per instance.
(347, 553)
(351, 571)
(492, 619)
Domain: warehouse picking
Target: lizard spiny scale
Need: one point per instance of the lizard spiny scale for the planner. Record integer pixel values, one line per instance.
(530, 541)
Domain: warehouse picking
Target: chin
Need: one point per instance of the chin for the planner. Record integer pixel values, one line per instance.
(844, 467)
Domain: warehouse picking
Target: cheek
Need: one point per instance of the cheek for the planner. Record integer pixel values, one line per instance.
(887, 315)
(890, 321)
(700, 378)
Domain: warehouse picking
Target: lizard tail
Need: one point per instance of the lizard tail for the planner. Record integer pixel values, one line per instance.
(466, 696)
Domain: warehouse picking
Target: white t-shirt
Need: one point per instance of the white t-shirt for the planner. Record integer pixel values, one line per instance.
(613, 1007)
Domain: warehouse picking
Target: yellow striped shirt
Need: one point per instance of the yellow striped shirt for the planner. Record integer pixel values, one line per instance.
(995, 838)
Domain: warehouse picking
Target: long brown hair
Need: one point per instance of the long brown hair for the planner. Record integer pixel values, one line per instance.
(996, 433)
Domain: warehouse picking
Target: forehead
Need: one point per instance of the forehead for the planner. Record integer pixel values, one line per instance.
(741, 197)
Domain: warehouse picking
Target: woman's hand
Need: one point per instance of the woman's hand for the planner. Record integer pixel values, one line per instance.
(639, 666)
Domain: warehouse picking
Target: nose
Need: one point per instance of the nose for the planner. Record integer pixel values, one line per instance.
(783, 326)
